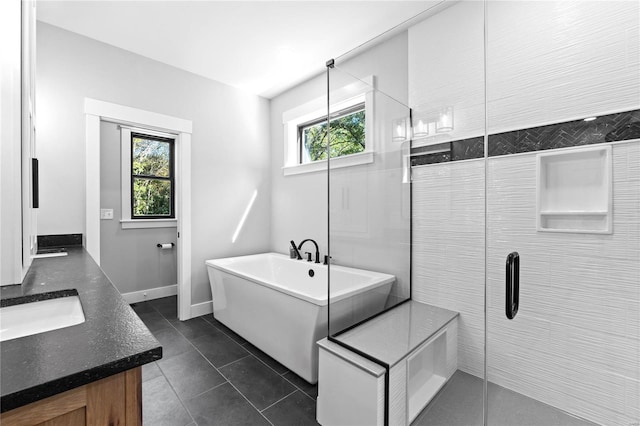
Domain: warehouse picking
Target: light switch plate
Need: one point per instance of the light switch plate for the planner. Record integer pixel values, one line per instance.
(106, 214)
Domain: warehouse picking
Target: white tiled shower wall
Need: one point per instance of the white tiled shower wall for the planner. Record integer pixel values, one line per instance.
(546, 62)
(448, 249)
(575, 342)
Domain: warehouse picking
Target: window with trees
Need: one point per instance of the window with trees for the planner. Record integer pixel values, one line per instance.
(152, 177)
(347, 135)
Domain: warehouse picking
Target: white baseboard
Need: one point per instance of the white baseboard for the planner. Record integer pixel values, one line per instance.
(150, 294)
(200, 309)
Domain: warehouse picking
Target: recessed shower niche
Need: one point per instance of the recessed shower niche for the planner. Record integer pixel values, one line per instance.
(574, 191)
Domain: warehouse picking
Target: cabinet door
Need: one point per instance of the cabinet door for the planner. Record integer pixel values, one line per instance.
(72, 418)
(115, 400)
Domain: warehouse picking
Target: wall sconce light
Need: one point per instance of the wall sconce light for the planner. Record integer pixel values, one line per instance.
(445, 120)
(420, 128)
(400, 129)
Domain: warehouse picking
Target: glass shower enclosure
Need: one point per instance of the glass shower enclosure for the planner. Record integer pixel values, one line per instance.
(500, 181)
(369, 199)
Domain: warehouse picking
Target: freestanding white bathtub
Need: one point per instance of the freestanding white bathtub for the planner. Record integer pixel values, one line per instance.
(280, 304)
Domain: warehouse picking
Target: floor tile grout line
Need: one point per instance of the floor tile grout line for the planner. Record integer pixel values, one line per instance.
(183, 401)
(210, 389)
(254, 355)
(156, 311)
(229, 335)
(282, 375)
(280, 400)
(193, 420)
(268, 366)
(297, 387)
(176, 394)
(249, 353)
(223, 376)
(223, 331)
(258, 358)
(244, 396)
(233, 362)
(247, 399)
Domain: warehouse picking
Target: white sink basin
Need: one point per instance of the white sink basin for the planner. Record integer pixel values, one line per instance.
(37, 317)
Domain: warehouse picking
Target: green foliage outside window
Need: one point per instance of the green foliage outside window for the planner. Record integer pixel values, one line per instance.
(347, 137)
(151, 177)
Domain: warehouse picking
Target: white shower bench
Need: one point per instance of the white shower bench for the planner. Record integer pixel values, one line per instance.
(414, 342)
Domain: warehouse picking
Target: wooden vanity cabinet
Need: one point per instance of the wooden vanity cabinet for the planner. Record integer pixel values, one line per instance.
(113, 401)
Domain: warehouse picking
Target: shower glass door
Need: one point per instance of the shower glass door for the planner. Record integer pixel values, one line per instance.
(447, 96)
(563, 213)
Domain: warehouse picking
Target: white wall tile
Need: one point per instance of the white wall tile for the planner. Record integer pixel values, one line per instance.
(568, 346)
(576, 340)
(398, 394)
(446, 63)
(553, 61)
(575, 343)
(448, 249)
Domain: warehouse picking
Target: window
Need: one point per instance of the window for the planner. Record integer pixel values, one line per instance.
(352, 132)
(347, 135)
(152, 177)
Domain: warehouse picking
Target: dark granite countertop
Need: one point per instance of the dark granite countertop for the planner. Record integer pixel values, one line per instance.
(111, 340)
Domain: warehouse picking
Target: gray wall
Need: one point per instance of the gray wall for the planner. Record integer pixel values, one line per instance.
(129, 257)
(230, 148)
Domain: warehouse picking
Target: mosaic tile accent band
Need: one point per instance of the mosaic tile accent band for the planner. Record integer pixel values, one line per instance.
(606, 128)
(448, 151)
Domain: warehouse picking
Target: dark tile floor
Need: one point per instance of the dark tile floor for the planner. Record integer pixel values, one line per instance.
(209, 375)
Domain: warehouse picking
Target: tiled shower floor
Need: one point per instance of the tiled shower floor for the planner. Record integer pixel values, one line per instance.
(459, 403)
(209, 375)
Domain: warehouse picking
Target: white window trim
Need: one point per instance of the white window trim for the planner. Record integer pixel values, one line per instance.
(343, 98)
(95, 111)
(126, 221)
(336, 163)
(148, 223)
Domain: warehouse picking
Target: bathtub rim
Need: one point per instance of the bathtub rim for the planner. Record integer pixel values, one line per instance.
(385, 279)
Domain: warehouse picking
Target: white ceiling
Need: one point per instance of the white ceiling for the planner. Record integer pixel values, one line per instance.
(263, 47)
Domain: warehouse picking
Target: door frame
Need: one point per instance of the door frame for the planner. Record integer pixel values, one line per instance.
(96, 111)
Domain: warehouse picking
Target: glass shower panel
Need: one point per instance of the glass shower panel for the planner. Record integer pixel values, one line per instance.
(447, 96)
(417, 212)
(563, 212)
(369, 200)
